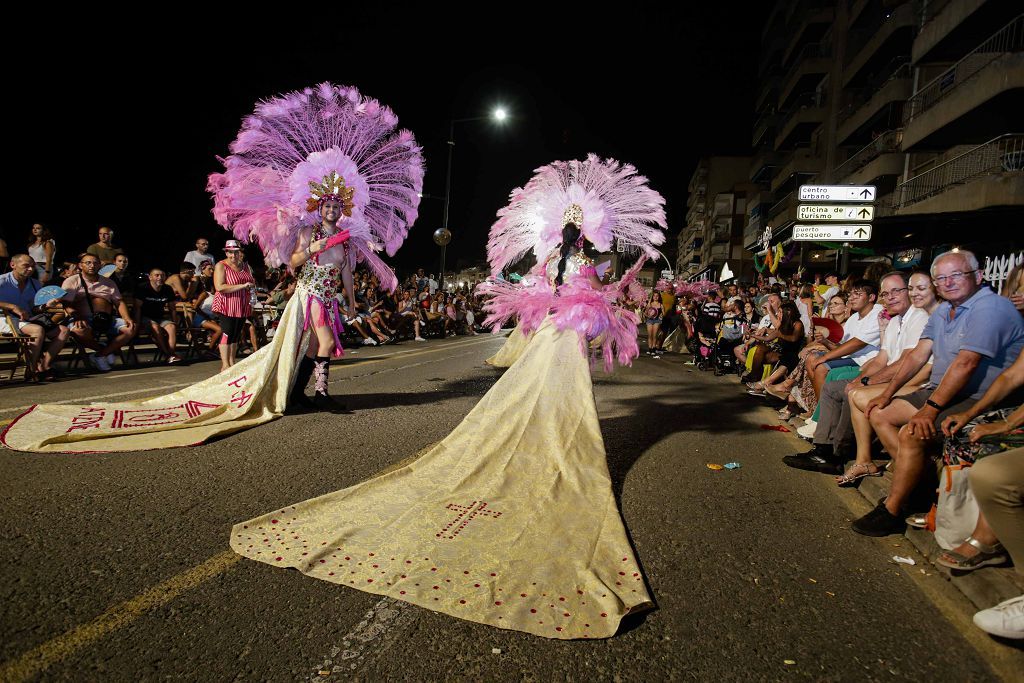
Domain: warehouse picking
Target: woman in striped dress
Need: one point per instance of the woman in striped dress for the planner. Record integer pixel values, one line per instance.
(233, 301)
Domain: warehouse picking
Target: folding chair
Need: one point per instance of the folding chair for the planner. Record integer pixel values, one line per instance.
(22, 344)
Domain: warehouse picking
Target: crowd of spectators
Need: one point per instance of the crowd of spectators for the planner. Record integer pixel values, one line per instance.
(107, 308)
(924, 370)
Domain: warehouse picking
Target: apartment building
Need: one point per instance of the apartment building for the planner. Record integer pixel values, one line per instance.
(921, 98)
(716, 209)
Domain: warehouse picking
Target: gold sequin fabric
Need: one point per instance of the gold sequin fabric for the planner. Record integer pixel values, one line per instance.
(509, 521)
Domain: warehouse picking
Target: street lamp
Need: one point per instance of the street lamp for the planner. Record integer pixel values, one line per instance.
(499, 115)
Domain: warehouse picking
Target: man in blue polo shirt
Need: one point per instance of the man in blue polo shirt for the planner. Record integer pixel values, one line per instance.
(17, 298)
(974, 335)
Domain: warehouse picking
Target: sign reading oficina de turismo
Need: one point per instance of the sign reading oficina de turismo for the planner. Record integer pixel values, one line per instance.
(833, 221)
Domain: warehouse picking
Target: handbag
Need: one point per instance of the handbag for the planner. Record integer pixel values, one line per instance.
(956, 513)
(958, 449)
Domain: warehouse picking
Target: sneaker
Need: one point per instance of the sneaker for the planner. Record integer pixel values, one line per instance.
(879, 522)
(690, 362)
(369, 342)
(807, 431)
(419, 339)
(1005, 619)
(110, 359)
(99, 362)
(755, 392)
(818, 459)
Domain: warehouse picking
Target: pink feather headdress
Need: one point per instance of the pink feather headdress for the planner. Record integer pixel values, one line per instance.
(615, 202)
(294, 142)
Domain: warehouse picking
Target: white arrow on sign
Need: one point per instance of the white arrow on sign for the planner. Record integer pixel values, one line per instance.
(837, 193)
(855, 232)
(835, 212)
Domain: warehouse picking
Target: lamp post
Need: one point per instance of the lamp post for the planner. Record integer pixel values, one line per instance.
(499, 115)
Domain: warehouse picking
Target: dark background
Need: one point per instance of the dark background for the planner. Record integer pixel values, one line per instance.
(120, 126)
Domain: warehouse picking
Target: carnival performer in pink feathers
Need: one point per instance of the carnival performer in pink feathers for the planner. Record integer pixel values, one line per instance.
(510, 520)
(321, 179)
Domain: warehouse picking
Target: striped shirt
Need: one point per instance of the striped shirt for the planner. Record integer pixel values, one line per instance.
(235, 304)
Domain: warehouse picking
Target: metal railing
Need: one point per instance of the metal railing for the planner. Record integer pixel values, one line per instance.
(858, 39)
(999, 155)
(808, 51)
(780, 206)
(900, 68)
(930, 9)
(1010, 38)
(886, 143)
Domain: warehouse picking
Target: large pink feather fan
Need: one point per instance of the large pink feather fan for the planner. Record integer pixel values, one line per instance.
(528, 302)
(302, 136)
(695, 290)
(616, 201)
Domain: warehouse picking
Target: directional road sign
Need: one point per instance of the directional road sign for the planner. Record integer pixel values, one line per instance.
(835, 212)
(837, 193)
(833, 232)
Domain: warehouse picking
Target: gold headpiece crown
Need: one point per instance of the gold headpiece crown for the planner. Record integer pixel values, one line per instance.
(573, 214)
(333, 187)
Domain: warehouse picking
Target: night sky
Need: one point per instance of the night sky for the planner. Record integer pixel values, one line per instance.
(121, 128)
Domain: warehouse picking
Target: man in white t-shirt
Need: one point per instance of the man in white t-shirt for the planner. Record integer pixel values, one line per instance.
(833, 435)
(822, 299)
(861, 336)
(200, 254)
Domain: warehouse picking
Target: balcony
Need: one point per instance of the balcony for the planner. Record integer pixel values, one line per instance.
(783, 211)
(886, 145)
(881, 99)
(949, 28)
(800, 121)
(699, 177)
(869, 48)
(764, 165)
(989, 175)
(974, 98)
(765, 125)
(719, 253)
(802, 163)
(721, 230)
(724, 202)
(810, 65)
(769, 86)
(814, 19)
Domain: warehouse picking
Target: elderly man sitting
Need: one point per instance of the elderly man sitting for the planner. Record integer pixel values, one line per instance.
(17, 297)
(973, 336)
(91, 300)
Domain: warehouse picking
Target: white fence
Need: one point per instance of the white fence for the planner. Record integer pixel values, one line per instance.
(998, 269)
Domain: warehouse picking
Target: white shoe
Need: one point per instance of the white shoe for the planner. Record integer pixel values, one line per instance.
(420, 339)
(807, 431)
(110, 359)
(1005, 619)
(99, 362)
(369, 342)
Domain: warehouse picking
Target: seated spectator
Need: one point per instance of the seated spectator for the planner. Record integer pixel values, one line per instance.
(974, 336)
(861, 335)
(183, 282)
(125, 280)
(202, 302)
(833, 434)
(105, 250)
(67, 269)
(751, 354)
(155, 311)
(200, 255)
(91, 300)
(784, 343)
(18, 289)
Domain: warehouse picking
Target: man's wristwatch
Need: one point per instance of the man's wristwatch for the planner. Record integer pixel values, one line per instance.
(864, 380)
(935, 405)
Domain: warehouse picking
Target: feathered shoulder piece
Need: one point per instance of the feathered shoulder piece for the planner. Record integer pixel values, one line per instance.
(607, 200)
(297, 150)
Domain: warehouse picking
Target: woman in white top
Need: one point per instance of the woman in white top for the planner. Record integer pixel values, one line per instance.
(43, 250)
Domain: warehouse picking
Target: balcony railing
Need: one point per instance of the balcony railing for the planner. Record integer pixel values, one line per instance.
(808, 51)
(999, 155)
(1010, 38)
(857, 40)
(780, 206)
(899, 68)
(886, 143)
(931, 10)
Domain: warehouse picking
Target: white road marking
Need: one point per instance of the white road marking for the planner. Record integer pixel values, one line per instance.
(385, 617)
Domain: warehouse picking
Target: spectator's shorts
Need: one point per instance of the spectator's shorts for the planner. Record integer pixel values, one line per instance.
(840, 363)
(116, 325)
(654, 321)
(918, 398)
(6, 329)
(198, 319)
(161, 322)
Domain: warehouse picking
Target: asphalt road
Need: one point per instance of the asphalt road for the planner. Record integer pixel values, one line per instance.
(117, 567)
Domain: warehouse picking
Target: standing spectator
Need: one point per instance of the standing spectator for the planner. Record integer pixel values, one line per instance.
(432, 284)
(831, 289)
(235, 287)
(156, 312)
(183, 283)
(17, 296)
(92, 299)
(652, 318)
(805, 304)
(200, 254)
(973, 336)
(105, 250)
(4, 254)
(125, 280)
(43, 250)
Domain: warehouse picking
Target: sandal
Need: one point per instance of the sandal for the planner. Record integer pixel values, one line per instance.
(849, 478)
(918, 520)
(987, 555)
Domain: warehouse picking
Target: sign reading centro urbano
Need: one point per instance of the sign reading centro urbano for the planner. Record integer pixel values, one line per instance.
(833, 232)
(835, 212)
(837, 193)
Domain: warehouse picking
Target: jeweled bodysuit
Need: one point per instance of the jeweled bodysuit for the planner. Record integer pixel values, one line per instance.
(321, 281)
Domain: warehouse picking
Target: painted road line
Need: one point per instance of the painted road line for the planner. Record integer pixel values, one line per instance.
(368, 635)
(37, 660)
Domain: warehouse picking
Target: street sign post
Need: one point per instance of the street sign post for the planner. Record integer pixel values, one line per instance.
(835, 212)
(833, 232)
(837, 193)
